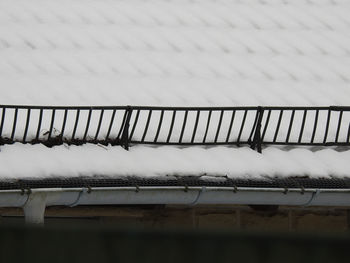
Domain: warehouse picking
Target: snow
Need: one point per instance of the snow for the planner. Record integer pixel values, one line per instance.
(178, 53)
(37, 161)
(174, 53)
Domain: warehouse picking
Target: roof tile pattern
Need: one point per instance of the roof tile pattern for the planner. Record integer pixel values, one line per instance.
(178, 53)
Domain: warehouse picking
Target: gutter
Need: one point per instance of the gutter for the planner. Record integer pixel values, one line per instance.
(34, 201)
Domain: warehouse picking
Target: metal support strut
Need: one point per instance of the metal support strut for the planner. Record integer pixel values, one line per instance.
(125, 133)
(256, 143)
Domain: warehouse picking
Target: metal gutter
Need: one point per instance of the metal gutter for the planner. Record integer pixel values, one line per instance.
(34, 201)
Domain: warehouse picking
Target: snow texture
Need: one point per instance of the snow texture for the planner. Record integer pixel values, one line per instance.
(175, 52)
(38, 161)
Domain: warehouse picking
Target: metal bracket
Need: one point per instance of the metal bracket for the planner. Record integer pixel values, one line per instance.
(257, 141)
(125, 134)
(203, 189)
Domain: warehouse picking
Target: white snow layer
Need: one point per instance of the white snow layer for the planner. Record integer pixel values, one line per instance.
(175, 52)
(37, 161)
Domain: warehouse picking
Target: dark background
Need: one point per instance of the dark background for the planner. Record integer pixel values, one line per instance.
(71, 242)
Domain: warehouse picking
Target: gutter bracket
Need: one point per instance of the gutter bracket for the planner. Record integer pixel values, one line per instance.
(83, 190)
(23, 192)
(314, 194)
(195, 202)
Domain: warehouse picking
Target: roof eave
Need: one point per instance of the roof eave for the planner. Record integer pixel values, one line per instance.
(34, 201)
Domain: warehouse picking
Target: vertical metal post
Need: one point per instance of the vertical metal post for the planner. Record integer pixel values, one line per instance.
(125, 134)
(256, 143)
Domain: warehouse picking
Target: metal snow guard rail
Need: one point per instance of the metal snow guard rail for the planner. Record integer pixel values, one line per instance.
(126, 125)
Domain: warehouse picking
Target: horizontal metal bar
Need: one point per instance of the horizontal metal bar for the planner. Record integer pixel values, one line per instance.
(36, 107)
(333, 108)
(193, 108)
(307, 143)
(231, 189)
(190, 143)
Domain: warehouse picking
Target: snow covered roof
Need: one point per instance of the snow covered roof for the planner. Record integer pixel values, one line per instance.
(38, 161)
(174, 53)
